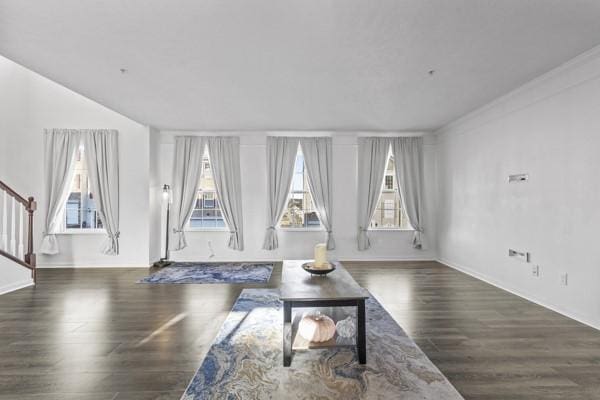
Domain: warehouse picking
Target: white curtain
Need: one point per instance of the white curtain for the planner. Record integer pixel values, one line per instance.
(281, 154)
(318, 160)
(224, 153)
(102, 157)
(408, 155)
(373, 154)
(61, 145)
(187, 167)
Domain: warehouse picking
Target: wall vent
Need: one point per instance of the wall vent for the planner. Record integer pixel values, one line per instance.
(519, 255)
(518, 178)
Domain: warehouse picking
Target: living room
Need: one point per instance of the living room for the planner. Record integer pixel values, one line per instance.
(299, 200)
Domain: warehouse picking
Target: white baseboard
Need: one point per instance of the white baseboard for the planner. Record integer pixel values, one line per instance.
(262, 260)
(390, 259)
(252, 260)
(503, 286)
(50, 266)
(16, 286)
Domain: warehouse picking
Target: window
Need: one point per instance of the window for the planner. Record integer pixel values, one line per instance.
(80, 209)
(209, 199)
(389, 213)
(389, 182)
(300, 211)
(207, 211)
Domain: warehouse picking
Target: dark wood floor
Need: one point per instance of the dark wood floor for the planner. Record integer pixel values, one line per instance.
(95, 334)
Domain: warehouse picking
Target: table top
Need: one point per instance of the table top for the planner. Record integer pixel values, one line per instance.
(299, 285)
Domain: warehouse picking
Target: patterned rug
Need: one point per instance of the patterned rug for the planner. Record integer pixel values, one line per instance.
(190, 272)
(245, 361)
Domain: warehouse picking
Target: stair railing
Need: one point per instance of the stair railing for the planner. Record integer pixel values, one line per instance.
(14, 210)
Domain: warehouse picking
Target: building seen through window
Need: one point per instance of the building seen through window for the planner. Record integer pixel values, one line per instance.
(389, 213)
(80, 209)
(207, 210)
(300, 211)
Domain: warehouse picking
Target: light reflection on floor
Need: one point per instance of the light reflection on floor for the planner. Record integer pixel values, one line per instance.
(162, 328)
(86, 306)
(394, 296)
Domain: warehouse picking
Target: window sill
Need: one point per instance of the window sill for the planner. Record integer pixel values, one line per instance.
(391, 230)
(83, 232)
(300, 229)
(206, 230)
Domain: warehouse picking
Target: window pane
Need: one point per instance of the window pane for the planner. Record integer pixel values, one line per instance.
(195, 222)
(207, 209)
(300, 211)
(196, 214)
(389, 182)
(389, 212)
(209, 200)
(72, 210)
(80, 209)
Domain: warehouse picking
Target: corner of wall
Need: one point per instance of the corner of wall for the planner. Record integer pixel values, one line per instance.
(155, 197)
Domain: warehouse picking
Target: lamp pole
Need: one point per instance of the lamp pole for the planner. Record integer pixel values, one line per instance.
(163, 262)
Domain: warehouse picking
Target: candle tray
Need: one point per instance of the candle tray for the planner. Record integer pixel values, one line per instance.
(310, 268)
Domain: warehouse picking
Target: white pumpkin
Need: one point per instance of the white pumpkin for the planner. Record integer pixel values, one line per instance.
(316, 327)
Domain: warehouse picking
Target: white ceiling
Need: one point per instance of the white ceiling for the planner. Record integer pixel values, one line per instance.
(295, 64)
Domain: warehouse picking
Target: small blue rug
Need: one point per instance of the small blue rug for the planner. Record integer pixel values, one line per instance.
(246, 361)
(190, 272)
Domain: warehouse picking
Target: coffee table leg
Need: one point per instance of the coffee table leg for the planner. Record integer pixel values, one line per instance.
(287, 333)
(361, 332)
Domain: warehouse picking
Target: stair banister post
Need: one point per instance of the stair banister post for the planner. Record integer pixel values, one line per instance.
(13, 227)
(4, 238)
(30, 256)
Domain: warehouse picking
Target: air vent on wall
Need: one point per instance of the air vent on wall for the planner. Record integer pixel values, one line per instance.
(519, 255)
(518, 178)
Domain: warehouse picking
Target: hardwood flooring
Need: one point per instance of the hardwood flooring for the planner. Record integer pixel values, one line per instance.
(94, 334)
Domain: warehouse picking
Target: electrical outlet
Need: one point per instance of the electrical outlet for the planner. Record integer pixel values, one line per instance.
(535, 270)
(564, 279)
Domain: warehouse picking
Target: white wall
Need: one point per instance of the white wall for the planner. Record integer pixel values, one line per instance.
(298, 244)
(13, 276)
(28, 104)
(155, 197)
(13, 109)
(550, 129)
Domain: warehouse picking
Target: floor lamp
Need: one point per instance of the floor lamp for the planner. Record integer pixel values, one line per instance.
(163, 262)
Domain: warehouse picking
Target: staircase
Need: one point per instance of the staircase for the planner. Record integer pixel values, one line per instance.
(16, 228)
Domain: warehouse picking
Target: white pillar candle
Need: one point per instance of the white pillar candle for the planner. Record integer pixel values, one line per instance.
(321, 255)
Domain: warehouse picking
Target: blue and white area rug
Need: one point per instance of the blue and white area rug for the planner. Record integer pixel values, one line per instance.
(190, 272)
(245, 361)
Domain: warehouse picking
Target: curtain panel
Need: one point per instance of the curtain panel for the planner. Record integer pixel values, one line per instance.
(318, 159)
(60, 148)
(102, 157)
(187, 168)
(224, 153)
(408, 153)
(372, 158)
(281, 154)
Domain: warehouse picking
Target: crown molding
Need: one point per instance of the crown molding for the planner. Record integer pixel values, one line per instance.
(583, 68)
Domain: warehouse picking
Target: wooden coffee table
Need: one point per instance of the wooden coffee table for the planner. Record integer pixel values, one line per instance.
(337, 289)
